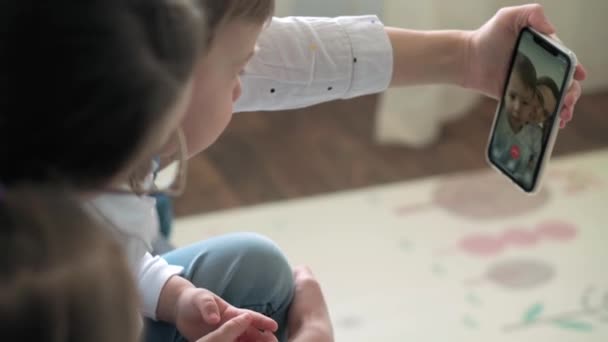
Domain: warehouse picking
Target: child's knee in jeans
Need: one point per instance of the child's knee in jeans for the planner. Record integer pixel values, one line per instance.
(260, 253)
(244, 267)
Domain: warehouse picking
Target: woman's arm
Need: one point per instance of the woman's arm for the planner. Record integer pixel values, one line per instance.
(307, 61)
(428, 57)
(314, 60)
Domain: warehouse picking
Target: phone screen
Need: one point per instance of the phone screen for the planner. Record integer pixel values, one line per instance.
(528, 111)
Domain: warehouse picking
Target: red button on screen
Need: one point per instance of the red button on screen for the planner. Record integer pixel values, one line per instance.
(515, 152)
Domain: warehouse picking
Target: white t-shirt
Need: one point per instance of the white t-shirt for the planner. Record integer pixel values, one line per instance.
(300, 62)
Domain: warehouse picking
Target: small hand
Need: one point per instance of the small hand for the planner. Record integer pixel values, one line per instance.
(491, 46)
(200, 312)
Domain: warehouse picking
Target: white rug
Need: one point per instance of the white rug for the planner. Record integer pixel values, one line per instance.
(459, 258)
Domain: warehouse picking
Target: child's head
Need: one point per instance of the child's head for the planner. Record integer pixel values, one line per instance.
(521, 89)
(233, 29)
(219, 13)
(547, 92)
(88, 86)
(62, 278)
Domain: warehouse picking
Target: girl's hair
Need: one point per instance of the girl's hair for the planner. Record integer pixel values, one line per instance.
(525, 69)
(220, 12)
(62, 277)
(84, 84)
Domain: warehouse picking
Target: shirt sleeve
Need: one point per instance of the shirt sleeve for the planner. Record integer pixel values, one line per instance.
(302, 61)
(154, 272)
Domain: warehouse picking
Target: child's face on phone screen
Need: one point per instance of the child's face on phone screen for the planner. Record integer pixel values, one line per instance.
(520, 101)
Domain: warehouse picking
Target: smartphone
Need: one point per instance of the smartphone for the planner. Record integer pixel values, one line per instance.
(527, 120)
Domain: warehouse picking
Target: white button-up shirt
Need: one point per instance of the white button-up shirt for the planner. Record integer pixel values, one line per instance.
(299, 62)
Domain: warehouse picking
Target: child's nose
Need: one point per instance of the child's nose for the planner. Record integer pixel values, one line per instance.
(516, 105)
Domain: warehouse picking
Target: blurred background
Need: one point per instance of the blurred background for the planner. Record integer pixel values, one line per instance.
(400, 135)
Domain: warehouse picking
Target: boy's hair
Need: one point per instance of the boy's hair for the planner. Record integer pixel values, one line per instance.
(62, 277)
(84, 84)
(220, 12)
(525, 69)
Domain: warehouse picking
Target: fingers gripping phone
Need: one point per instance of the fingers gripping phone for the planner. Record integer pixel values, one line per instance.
(527, 120)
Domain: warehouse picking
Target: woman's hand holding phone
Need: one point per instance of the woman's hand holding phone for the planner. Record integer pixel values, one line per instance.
(490, 49)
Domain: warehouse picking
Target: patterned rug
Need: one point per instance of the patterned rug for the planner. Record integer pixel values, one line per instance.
(459, 258)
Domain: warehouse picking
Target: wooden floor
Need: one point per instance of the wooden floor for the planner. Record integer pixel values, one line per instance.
(266, 157)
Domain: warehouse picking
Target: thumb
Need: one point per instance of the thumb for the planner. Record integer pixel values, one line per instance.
(230, 330)
(209, 309)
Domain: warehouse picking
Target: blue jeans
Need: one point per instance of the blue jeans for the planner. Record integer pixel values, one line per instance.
(247, 270)
(164, 208)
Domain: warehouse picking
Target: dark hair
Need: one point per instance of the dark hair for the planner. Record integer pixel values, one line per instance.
(62, 276)
(220, 12)
(84, 83)
(525, 69)
(548, 82)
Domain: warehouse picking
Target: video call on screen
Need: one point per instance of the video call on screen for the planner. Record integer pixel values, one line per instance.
(528, 111)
